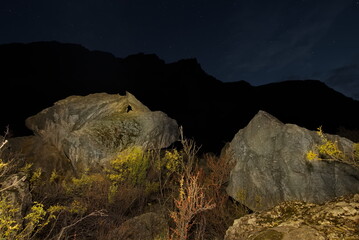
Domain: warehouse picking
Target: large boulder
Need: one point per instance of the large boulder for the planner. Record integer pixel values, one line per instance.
(271, 165)
(91, 130)
(336, 219)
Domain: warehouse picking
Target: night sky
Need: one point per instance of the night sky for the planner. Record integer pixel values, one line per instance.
(259, 41)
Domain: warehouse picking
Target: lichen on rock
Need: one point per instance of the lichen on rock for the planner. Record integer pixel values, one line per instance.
(292, 220)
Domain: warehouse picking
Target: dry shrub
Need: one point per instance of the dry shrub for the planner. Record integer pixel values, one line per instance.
(215, 181)
(202, 188)
(190, 202)
(137, 179)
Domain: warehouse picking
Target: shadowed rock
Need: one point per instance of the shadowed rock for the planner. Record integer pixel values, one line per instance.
(91, 130)
(41, 154)
(148, 226)
(271, 165)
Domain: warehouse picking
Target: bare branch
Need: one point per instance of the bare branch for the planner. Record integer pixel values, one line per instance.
(98, 213)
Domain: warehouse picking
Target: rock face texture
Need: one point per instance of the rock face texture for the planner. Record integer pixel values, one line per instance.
(271, 165)
(90, 130)
(337, 219)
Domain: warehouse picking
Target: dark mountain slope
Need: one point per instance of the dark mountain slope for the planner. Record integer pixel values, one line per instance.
(34, 76)
(309, 103)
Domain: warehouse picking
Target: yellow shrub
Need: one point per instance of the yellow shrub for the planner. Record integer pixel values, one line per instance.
(8, 224)
(37, 218)
(112, 191)
(54, 176)
(130, 166)
(330, 151)
(26, 169)
(173, 160)
(168, 164)
(311, 156)
(329, 148)
(35, 180)
(2, 165)
(77, 207)
(83, 185)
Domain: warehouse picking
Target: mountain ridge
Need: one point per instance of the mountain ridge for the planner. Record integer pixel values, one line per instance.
(210, 111)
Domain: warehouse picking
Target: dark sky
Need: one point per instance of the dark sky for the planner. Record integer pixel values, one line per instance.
(259, 41)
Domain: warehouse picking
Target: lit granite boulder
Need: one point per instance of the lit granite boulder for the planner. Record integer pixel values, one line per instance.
(271, 165)
(91, 130)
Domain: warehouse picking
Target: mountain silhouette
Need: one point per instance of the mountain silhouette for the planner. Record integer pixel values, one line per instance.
(35, 75)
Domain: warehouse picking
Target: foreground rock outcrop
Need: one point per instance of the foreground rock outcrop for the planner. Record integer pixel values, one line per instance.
(91, 130)
(271, 166)
(337, 219)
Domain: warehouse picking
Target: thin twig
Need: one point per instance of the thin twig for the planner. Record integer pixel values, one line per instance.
(93, 214)
(14, 184)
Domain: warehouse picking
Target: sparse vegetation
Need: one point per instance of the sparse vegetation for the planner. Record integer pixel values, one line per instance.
(91, 205)
(329, 150)
(12, 224)
(190, 203)
(184, 186)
